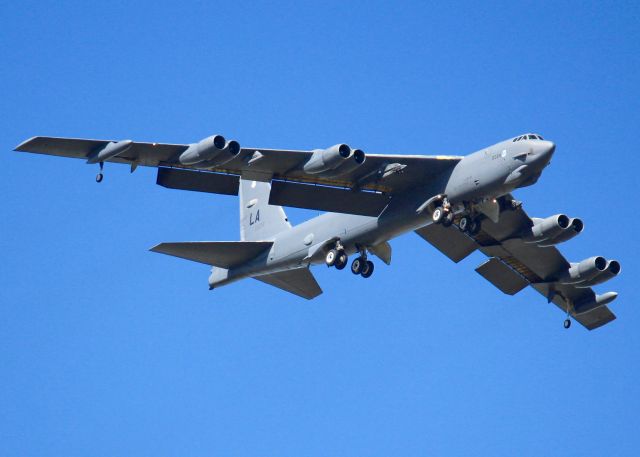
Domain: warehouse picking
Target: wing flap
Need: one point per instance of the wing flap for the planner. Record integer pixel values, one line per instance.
(448, 240)
(223, 254)
(502, 276)
(299, 282)
(215, 183)
(324, 198)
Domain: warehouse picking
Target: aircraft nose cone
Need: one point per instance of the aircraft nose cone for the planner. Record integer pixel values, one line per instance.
(543, 150)
(547, 148)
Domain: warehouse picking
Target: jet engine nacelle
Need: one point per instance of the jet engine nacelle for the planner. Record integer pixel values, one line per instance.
(546, 229)
(575, 228)
(357, 158)
(592, 271)
(585, 270)
(214, 150)
(553, 230)
(323, 160)
(611, 271)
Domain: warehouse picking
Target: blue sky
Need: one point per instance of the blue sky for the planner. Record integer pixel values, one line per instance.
(108, 349)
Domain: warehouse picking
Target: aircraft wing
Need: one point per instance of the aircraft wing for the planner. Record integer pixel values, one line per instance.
(386, 173)
(514, 264)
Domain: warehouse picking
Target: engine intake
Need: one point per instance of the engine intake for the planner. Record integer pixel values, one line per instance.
(575, 228)
(323, 160)
(214, 150)
(357, 158)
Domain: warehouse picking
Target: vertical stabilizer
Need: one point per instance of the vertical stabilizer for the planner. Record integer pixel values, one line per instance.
(258, 219)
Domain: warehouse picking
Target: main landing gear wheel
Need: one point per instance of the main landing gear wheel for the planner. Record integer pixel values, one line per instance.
(447, 220)
(356, 265)
(331, 257)
(367, 269)
(567, 323)
(464, 223)
(474, 228)
(437, 215)
(341, 260)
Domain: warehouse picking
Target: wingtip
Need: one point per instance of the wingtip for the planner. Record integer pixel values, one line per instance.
(156, 248)
(21, 146)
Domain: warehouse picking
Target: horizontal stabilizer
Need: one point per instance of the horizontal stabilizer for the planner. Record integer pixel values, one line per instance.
(299, 282)
(215, 183)
(322, 198)
(223, 254)
(448, 240)
(502, 276)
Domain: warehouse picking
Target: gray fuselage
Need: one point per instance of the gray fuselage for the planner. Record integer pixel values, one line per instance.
(479, 177)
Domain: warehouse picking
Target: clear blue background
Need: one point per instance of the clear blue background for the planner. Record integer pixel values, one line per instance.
(108, 349)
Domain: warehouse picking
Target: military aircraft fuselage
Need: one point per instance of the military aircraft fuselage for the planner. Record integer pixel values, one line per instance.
(479, 178)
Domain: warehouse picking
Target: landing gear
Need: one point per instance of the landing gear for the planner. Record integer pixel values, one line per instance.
(360, 265)
(443, 214)
(507, 204)
(567, 321)
(337, 257)
(367, 269)
(356, 265)
(464, 223)
(437, 215)
(447, 220)
(341, 260)
(331, 257)
(100, 176)
(469, 225)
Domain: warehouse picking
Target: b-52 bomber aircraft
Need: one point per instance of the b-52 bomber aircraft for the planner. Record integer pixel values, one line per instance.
(458, 204)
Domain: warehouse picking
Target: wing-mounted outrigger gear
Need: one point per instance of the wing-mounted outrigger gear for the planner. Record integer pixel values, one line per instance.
(109, 151)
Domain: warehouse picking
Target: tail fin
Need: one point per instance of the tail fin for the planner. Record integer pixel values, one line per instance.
(258, 219)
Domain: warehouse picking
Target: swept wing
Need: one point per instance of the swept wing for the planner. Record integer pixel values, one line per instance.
(515, 264)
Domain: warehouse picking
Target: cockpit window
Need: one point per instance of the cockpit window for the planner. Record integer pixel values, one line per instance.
(533, 137)
(540, 138)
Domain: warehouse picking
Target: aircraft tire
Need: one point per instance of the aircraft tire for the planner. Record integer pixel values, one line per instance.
(474, 228)
(464, 224)
(367, 269)
(99, 177)
(567, 323)
(331, 257)
(447, 220)
(437, 215)
(341, 260)
(356, 265)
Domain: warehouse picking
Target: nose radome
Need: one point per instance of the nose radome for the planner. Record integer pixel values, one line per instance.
(547, 148)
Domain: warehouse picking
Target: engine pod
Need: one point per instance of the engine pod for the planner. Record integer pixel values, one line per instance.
(323, 160)
(203, 151)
